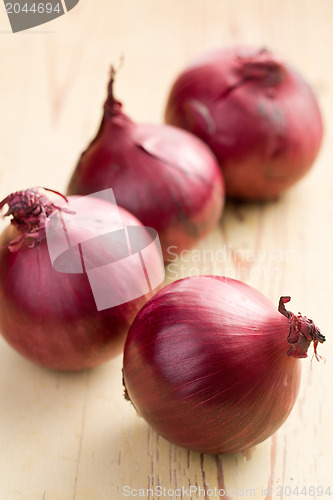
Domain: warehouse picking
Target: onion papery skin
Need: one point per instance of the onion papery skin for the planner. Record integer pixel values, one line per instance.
(168, 178)
(51, 317)
(205, 365)
(257, 114)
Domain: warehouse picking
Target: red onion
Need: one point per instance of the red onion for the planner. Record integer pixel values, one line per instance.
(205, 363)
(257, 114)
(51, 317)
(166, 177)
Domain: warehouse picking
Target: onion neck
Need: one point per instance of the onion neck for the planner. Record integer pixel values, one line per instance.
(113, 115)
(262, 66)
(28, 210)
(112, 107)
(302, 332)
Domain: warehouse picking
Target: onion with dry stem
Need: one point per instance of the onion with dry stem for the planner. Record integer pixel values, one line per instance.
(257, 114)
(51, 317)
(211, 364)
(166, 177)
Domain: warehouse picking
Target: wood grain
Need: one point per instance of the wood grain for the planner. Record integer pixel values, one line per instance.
(73, 436)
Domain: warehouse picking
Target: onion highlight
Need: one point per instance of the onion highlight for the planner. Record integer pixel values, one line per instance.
(205, 363)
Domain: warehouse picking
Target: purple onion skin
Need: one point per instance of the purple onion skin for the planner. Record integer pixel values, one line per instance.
(51, 317)
(165, 176)
(205, 365)
(256, 113)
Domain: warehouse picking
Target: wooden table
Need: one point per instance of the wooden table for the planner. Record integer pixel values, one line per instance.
(73, 436)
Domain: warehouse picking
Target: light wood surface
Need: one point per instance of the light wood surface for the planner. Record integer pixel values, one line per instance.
(73, 436)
